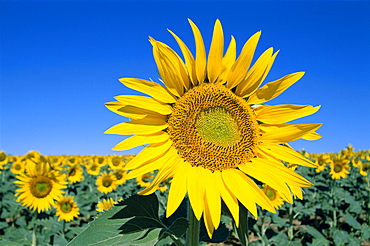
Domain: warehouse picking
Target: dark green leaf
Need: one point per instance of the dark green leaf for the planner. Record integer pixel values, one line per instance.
(352, 221)
(178, 227)
(317, 235)
(365, 232)
(143, 211)
(242, 230)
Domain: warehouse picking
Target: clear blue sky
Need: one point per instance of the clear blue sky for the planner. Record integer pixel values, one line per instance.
(60, 61)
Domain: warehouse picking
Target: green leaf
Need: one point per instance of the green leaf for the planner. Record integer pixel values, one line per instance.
(279, 222)
(101, 231)
(178, 227)
(320, 239)
(352, 221)
(143, 211)
(365, 232)
(340, 237)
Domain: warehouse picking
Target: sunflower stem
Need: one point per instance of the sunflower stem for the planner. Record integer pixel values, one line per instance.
(192, 236)
(34, 239)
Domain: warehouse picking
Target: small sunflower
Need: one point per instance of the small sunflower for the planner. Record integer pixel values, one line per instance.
(72, 160)
(120, 176)
(67, 208)
(116, 162)
(93, 169)
(39, 187)
(365, 169)
(273, 195)
(339, 167)
(75, 173)
(18, 167)
(322, 160)
(100, 160)
(144, 180)
(3, 160)
(209, 128)
(106, 182)
(105, 205)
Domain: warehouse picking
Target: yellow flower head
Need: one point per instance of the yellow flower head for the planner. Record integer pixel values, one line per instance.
(93, 169)
(208, 127)
(365, 169)
(144, 180)
(39, 187)
(116, 162)
(18, 167)
(67, 208)
(273, 195)
(322, 160)
(105, 205)
(75, 173)
(106, 182)
(339, 167)
(100, 160)
(120, 176)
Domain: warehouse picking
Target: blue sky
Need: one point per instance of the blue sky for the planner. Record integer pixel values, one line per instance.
(61, 61)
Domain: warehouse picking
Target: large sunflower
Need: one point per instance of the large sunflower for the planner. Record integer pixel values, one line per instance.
(208, 127)
(39, 187)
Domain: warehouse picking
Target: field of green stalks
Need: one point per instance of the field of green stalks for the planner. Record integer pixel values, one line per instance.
(334, 211)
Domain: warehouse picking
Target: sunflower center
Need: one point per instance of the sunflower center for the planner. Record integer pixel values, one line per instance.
(217, 126)
(107, 182)
(213, 128)
(116, 162)
(18, 167)
(66, 207)
(72, 172)
(271, 194)
(93, 167)
(40, 187)
(337, 168)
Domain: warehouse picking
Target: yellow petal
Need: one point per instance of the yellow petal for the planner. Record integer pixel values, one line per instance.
(200, 55)
(285, 154)
(196, 189)
(297, 191)
(267, 177)
(178, 187)
(241, 65)
(131, 111)
(145, 103)
(150, 88)
(284, 113)
(166, 70)
(189, 59)
(253, 79)
(207, 216)
(150, 153)
(228, 197)
(150, 165)
(246, 191)
(312, 136)
(274, 88)
(138, 140)
(145, 126)
(228, 60)
(213, 198)
(288, 132)
(216, 52)
(164, 174)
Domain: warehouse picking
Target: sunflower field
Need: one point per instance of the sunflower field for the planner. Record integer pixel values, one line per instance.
(49, 200)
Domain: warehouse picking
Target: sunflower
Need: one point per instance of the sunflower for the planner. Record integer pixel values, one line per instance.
(67, 208)
(75, 173)
(144, 179)
(18, 167)
(3, 160)
(273, 195)
(39, 187)
(339, 167)
(105, 205)
(100, 160)
(120, 176)
(322, 160)
(93, 169)
(106, 182)
(365, 169)
(209, 129)
(115, 162)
